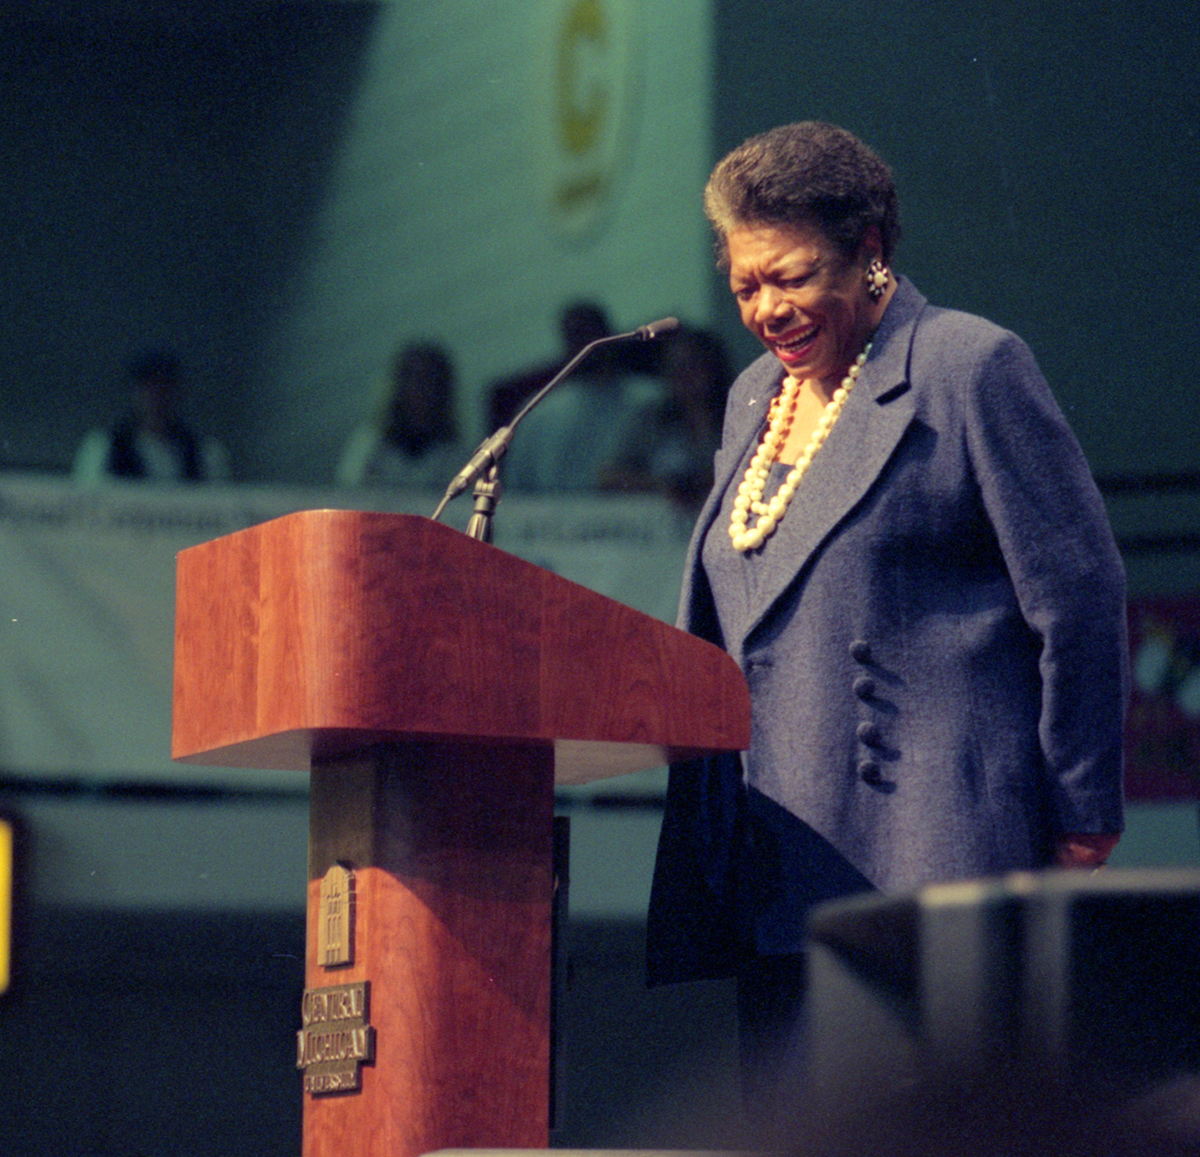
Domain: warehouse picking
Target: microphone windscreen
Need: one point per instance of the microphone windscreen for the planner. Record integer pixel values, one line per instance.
(657, 328)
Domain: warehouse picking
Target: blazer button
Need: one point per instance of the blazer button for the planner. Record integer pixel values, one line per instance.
(870, 772)
(868, 733)
(860, 651)
(864, 687)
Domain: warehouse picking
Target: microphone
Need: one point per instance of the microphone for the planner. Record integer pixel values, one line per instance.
(656, 328)
(493, 447)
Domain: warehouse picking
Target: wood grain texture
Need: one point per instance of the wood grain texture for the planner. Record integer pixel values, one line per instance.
(453, 932)
(434, 686)
(324, 631)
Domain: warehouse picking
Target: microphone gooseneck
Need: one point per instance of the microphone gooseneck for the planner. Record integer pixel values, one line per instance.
(495, 445)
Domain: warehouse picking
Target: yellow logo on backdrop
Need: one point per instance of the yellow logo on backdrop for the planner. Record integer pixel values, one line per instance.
(582, 98)
(592, 100)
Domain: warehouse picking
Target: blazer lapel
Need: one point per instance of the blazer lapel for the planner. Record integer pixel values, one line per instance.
(867, 432)
(745, 414)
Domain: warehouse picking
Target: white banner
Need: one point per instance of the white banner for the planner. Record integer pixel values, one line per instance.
(87, 604)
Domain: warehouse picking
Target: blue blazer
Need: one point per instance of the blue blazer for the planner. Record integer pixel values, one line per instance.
(935, 650)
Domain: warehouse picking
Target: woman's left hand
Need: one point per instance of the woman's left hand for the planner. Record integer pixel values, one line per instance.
(1084, 849)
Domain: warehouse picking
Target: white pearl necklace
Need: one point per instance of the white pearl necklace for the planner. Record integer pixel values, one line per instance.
(749, 498)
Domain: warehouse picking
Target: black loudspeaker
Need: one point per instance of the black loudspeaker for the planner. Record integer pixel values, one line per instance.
(1065, 972)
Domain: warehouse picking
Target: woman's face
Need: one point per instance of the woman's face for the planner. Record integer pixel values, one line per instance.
(801, 298)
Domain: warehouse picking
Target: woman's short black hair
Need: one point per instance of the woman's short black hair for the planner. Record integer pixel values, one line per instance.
(802, 174)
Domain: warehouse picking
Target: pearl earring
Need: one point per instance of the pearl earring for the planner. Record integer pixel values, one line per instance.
(877, 279)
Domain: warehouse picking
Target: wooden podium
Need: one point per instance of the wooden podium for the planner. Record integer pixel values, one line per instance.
(435, 688)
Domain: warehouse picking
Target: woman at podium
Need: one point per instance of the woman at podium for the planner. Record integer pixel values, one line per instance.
(905, 551)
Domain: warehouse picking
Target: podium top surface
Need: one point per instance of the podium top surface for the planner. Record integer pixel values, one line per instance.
(325, 631)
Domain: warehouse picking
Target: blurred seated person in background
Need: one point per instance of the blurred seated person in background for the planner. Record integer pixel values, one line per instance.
(673, 443)
(571, 439)
(151, 443)
(414, 443)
